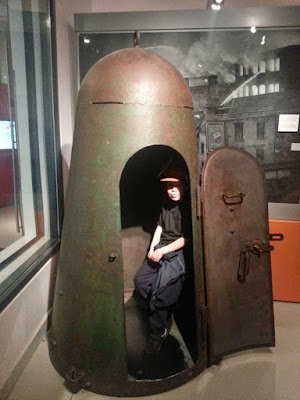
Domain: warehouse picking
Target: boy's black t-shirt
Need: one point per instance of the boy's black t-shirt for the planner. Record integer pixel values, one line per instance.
(173, 220)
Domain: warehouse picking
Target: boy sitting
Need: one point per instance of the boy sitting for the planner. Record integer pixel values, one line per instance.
(159, 279)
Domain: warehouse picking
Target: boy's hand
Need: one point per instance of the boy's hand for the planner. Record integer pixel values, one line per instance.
(156, 255)
(150, 252)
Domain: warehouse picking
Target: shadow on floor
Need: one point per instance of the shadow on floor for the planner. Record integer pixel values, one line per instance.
(173, 356)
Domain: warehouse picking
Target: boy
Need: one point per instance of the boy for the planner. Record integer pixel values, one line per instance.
(159, 279)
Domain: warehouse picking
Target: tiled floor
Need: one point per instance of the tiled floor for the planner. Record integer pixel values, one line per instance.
(262, 374)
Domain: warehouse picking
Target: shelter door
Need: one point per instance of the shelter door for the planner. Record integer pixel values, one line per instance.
(237, 253)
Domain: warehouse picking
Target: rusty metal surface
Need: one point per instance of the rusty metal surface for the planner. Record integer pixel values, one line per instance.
(130, 100)
(237, 253)
(135, 76)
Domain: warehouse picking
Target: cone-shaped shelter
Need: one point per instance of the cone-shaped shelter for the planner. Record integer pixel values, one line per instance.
(134, 117)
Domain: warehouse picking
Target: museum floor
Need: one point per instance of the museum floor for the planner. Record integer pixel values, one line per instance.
(262, 374)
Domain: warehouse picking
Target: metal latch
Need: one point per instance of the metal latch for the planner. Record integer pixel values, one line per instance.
(255, 247)
(112, 257)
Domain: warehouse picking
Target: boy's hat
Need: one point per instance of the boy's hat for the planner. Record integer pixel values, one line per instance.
(172, 175)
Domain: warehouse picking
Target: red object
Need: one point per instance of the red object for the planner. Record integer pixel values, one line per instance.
(4, 108)
(6, 178)
(285, 261)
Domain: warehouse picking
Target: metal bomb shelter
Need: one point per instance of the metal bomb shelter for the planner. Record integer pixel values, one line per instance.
(134, 116)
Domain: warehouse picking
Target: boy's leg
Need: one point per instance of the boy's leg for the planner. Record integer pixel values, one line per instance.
(160, 324)
(158, 319)
(162, 306)
(146, 277)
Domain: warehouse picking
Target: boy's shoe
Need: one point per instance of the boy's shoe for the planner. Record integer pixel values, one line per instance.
(154, 342)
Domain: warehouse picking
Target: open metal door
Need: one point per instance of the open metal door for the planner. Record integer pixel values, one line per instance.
(237, 253)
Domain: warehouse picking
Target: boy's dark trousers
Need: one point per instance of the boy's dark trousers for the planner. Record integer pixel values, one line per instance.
(163, 301)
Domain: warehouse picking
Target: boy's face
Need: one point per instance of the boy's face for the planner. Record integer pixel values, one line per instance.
(174, 190)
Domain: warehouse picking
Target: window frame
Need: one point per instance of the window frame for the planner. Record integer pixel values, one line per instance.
(19, 268)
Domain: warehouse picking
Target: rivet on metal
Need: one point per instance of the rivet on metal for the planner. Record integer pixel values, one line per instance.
(112, 257)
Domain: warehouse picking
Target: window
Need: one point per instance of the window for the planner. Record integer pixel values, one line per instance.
(277, 144)
(29, 211)
(262, 89)
(238, 131)
(262, 66)
(255, 68)
(260, 130)
(246, 91)
(271, 65)
(254, 90)
(202, 148)
(260, 154)
(277, 64)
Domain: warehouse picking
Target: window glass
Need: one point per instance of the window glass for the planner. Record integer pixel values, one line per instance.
(271, 88)
(260, 154)
(262, 66)
(28, 183)
(238, 131)
(271, 65)
(255, 68)
(202, 148)
(260, 129)
(254, 90)
(262, 89)
(246, 91)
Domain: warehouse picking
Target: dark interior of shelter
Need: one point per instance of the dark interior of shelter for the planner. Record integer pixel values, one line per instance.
(141, 196)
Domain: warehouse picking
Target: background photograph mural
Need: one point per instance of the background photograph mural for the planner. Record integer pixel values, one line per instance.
(245, 87)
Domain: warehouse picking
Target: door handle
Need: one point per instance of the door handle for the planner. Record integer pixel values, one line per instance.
(236, 199)
(255, 247)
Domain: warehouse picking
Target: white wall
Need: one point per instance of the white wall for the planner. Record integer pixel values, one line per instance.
(24, 319)
(26, 315)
